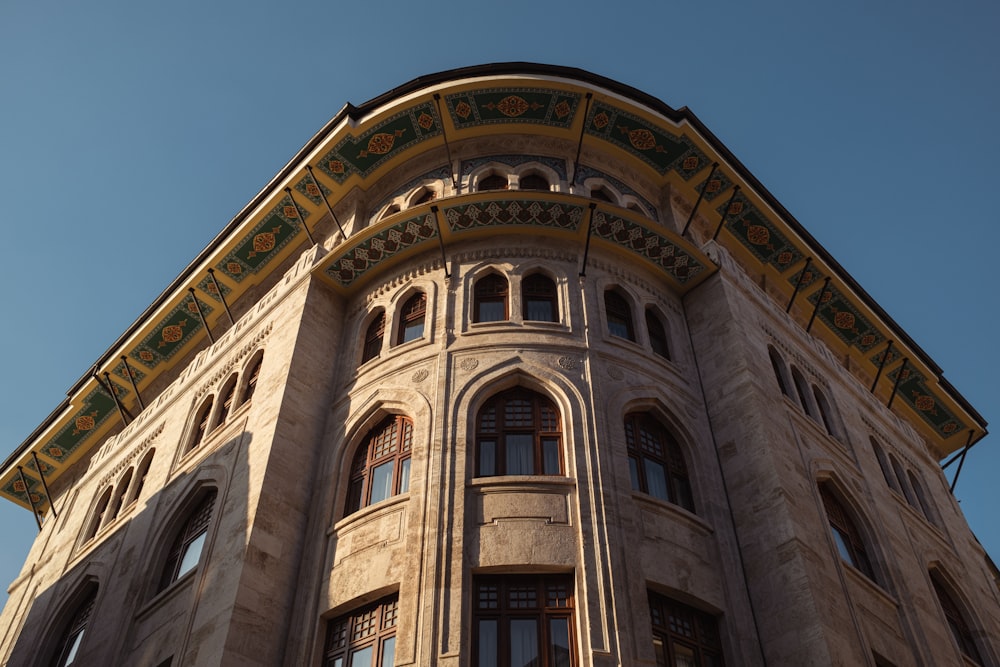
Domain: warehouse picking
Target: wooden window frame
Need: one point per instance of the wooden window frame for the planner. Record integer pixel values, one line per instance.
(847, 538)
(491, 288)
(372, 626)
(374, 336)
(494, 425)
(644, 435)
(618, 310)
(390, 441)
(196, 525)
(677, 624)
(539, 288)
(412, 312)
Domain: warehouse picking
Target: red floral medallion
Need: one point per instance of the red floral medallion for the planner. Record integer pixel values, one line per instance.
(234, 268)
(758, 235)
(381, 143)
(263, 242)
(512, 106)
(924, 403)
(844, 319)
(84, 423)
(601, 120)
(172, 333)
(425, 120)
(463, 110)
(562, 109)
(335, 166)
(642, 139)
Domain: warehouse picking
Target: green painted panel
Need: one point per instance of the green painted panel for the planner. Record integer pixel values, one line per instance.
(171, 334)
(843, 319)
(512, 105)
(364, 153)
(759, 235)
(15, 489)
(661, 150)
(266, 240)
(913, 389)
(97, 407)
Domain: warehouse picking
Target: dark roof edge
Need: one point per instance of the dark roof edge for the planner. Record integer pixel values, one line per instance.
(495, 69)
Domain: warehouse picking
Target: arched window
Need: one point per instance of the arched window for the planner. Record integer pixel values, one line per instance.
(253, 374)
(490, 299)
(391, 210)
(492, 182)
(72, 637)
(365, 637)
(228, 393)
(780, 371)
(100, 509)
(656, 463)
(657, 334)
(883, 463)
(533, 182)
(619, 315)
(538, 298)
(381, 465)
(412, 316)
(922, 499)
(683, 635)
(903, 483)
(850, 546)
(427, 195)
(185, 552)
(956, 621)
(601, 193)
(827, 413)
(518, 433)
(802, 389)
(120, 494)
(373, 338)
(140, 476)
(201, 423)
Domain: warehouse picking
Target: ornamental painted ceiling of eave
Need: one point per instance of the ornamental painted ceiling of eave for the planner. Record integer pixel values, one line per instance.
(374, 250)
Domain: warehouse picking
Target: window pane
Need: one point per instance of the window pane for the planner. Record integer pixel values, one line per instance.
(413, 331)
(487, 458)
(619, 328)
(404, 476)
(362, 658)
(661, 652)
(656, 480)
(684, 656)
(559, 653)
(539, 310)
(520, 454)
(192, 553)
(487, 643)
(74, 646)
(633, 470)
(523, 642)
(492, 311)
(382, 481)
(842, 545)
(388, 652)
(550, 453)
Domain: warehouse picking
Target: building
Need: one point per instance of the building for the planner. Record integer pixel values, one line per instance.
(513, 365)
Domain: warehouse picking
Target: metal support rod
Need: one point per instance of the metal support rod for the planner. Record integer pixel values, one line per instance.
(201, 315)
(298, 212)
(798, 285)
(586, 247)
(222, 297)
(45, 485)
(701, 195)
(725, 212)
(444, 257)
(27, 492)
(131, 379)
(579, 143)
(885, 357)
(895, 385)
(956, 457)
(325, 201)
(961, 462)
(110, 389)
(819, 302)
(444, 135)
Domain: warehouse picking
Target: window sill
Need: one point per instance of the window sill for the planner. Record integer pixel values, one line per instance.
(520, 482)
(873, 587)
(669, 509)
(173, 589)
(367, 513)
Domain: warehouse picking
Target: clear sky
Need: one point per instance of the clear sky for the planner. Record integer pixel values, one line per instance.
(132, 132)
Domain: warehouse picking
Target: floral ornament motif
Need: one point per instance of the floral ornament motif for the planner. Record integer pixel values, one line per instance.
(381, 143)
(641, 138)
(690, 163)
(562, 109)
(615, 373)
(463, 110)
(335, 166)
(468, 364)
(512, 106)
(263, 242)
(758, 235)
(234, 268)
(56, 452)
(145, 355)
(924, 402)
(84, 423)
(844, 319)
(420, 375)
(601, 120)
(425, 120)
(173, 332)
(290, 211)
(567, 363)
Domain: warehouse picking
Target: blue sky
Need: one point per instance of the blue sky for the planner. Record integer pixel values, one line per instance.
(132, 132)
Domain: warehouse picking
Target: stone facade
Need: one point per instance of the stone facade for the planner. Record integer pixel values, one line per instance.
(763, 422)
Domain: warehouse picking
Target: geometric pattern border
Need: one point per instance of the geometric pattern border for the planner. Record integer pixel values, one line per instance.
(528, 212)
(843, 319)
(358, 259)
(648, 244)
(171, 334)
(584, 172)
(660, 150)
(758, 234)
(913, 389)
(257, 248)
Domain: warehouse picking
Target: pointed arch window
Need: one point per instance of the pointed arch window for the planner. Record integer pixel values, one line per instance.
(381, 465)
(490, 302)
(683, 635)
(140, 477)
(780, 371)
(656, 463)
(657, 334)
(956, 622)
(619, 314)
(253, 374)
(121, 493)
(533, 182)
(69, 646)
(518, 433)
(228, 393)
(802, 389)
(427, 195)
(538, 298)
(492, 182)
(373, 338)
(850, 546)
(100, 510)
(365, 637)
(413, 314)
(185, 551)
(201, 424)
(883, 463)
(601, 193)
